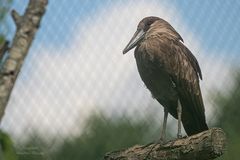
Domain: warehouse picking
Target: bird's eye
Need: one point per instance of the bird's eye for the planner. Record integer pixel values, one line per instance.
(149, 23)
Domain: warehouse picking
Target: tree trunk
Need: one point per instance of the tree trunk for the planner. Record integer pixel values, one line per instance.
(27, 26)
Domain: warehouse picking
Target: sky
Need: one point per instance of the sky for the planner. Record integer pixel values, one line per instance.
(215, 22)
(75, 66)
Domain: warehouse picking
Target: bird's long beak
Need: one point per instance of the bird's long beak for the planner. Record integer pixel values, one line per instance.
(137, 37)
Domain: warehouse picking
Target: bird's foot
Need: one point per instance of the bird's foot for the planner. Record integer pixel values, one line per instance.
(161, 141)
(179, 136)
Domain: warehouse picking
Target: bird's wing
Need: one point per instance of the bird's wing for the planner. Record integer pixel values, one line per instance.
(183, 68)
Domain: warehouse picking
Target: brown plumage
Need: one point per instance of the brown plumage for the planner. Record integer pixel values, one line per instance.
(170, 71)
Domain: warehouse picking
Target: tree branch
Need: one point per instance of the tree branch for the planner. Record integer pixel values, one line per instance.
(203, 146)
(27, 26)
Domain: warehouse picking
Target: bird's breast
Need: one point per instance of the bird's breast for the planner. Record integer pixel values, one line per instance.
(154, 76)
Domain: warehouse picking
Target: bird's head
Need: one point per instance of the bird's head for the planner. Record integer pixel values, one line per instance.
(151, 26)
(143, 26)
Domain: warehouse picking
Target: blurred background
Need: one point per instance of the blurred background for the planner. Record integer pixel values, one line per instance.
(77, 96)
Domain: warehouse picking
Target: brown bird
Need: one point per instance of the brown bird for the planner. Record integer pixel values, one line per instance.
(171, 72)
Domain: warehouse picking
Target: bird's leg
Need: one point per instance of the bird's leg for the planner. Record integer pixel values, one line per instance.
(164, 126)
(163, 133)
(179, 113)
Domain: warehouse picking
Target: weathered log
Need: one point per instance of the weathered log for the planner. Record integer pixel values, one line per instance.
(202, 146)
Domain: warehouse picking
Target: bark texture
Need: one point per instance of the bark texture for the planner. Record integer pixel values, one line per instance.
(206, 145)
(27, 26)
(3, 48)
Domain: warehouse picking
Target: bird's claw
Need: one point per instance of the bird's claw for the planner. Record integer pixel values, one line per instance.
(160, 141)
(179, 136)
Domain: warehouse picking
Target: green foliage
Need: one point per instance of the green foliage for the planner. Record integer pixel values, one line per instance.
(35, 148)
(103, 135)
(100, 135)
(229, 120)
(7, 151)
(2, 38)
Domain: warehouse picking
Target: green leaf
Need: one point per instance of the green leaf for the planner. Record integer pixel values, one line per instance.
(7, 151)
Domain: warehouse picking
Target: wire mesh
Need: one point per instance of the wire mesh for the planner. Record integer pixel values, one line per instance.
(75, 69)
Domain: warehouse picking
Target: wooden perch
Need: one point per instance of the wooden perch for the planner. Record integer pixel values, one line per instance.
(206, 145)
(27, 26)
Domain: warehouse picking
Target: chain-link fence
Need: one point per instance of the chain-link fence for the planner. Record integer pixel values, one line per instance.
(75, 83)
